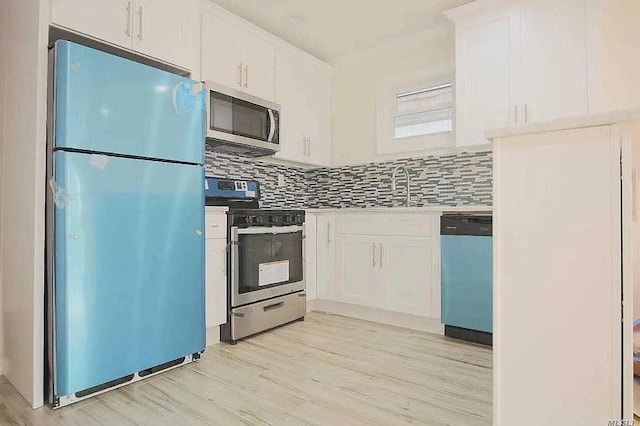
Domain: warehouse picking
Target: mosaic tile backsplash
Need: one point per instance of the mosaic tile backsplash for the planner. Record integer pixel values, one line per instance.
(450, 180)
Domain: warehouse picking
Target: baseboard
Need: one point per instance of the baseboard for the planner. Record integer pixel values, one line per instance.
(413, 322)
(213, 335)
(311, 305)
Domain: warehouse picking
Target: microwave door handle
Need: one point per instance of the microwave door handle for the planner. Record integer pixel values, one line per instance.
(272, 125)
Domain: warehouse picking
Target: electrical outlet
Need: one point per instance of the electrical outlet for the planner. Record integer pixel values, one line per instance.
(280, 179)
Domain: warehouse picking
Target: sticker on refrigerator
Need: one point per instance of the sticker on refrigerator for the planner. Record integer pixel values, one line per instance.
(273, 272)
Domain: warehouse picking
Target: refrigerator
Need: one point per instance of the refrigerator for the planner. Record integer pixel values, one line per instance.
(125, 222)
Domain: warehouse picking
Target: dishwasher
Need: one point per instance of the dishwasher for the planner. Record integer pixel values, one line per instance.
(467, 277)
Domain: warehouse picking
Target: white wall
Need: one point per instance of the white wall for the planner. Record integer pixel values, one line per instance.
(355, 83)
(22, 209)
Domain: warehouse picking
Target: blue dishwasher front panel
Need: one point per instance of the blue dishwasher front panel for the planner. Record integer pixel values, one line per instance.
(467, 281)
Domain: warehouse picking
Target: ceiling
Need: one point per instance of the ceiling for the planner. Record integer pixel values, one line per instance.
(331, 28)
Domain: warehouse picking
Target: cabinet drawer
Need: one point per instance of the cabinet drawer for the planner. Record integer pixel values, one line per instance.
(215, 225)
(396, 224)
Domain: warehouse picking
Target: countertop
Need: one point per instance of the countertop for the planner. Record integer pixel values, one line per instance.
(425, 209)
(589, 120)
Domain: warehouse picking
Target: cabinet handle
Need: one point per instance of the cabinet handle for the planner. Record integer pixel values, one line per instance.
(526, 113)
(308, 147)
(328, 232)
(140, 13)
(240, 74)
(127, 31)
(246, 76)
(515, 113)
(381, 247)
(374, 254)
(224, 262)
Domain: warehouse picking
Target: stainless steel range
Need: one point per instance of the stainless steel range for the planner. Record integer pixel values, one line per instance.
(265, 260)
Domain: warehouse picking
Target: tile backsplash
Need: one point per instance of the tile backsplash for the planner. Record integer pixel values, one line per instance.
(451, 180)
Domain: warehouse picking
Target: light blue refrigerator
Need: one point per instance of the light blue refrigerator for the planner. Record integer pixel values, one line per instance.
(125, 222)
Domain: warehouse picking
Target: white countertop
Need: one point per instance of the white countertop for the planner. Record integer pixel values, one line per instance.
(425, 209)
(590, 120)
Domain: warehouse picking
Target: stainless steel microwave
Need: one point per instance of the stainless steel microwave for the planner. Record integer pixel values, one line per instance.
(241, 124)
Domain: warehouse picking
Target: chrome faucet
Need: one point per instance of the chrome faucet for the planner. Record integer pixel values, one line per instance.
(394, 185)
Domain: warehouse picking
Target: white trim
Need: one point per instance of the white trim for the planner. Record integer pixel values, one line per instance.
(213, 336)
(413, 322)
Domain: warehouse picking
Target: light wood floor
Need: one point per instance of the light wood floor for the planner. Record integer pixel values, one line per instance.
(327, 370)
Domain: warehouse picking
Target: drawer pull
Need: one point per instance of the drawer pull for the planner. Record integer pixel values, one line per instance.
(274, 306)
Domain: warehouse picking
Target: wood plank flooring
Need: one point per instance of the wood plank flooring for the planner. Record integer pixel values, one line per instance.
(327, 370)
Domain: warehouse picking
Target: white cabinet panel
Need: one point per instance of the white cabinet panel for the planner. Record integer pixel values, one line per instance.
(406, 269)
(303, 90)
(258, 62)
(216, 282)
(557, 279)
(160, 29)
(484, 77)
(106, 20)
(310, 253)
(553, 77)
(357, 270)
(325, 246)
(221, 51)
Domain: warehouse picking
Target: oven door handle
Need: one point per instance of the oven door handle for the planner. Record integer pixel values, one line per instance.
(266, 230)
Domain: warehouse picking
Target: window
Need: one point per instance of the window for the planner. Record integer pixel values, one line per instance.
(415, 114)
(424, 112)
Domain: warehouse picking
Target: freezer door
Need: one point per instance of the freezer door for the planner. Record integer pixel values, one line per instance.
(128, 266)
(467, 281)
(104, 103)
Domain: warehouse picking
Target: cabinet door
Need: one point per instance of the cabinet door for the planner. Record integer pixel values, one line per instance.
(290, 88)
(485, 56)
(325, 246)
(406, 280)
(310, 253)
(357, 270)
(553, 76)
(216, 281)
(317, 80)
(258, 57)
(221, 61)
(161, 29)
(106, 20)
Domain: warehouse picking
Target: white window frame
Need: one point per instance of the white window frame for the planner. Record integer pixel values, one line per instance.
(386, 142)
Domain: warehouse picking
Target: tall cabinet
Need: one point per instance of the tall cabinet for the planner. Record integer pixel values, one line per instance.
(563, 265)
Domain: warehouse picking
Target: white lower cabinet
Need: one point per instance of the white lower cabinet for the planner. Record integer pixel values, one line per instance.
(406, 275)
(310, 255)
(358, 277)
(216, 282)
(215, 267)
(325, 256)
(385, 261)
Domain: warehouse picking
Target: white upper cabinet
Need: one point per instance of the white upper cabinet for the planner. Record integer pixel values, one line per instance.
(258, 63)
(545, 59)
(485, 57)
(163, 29)
(553, 75)
(106, 20)
(614, 54)
(303, 90)
(221, 51)
(236, 55)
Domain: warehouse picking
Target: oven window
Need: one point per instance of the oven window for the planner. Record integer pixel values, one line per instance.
(238, 117)
(269, 260)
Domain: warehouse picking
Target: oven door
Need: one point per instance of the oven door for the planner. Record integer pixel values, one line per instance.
(240, 118)
(266, 262)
